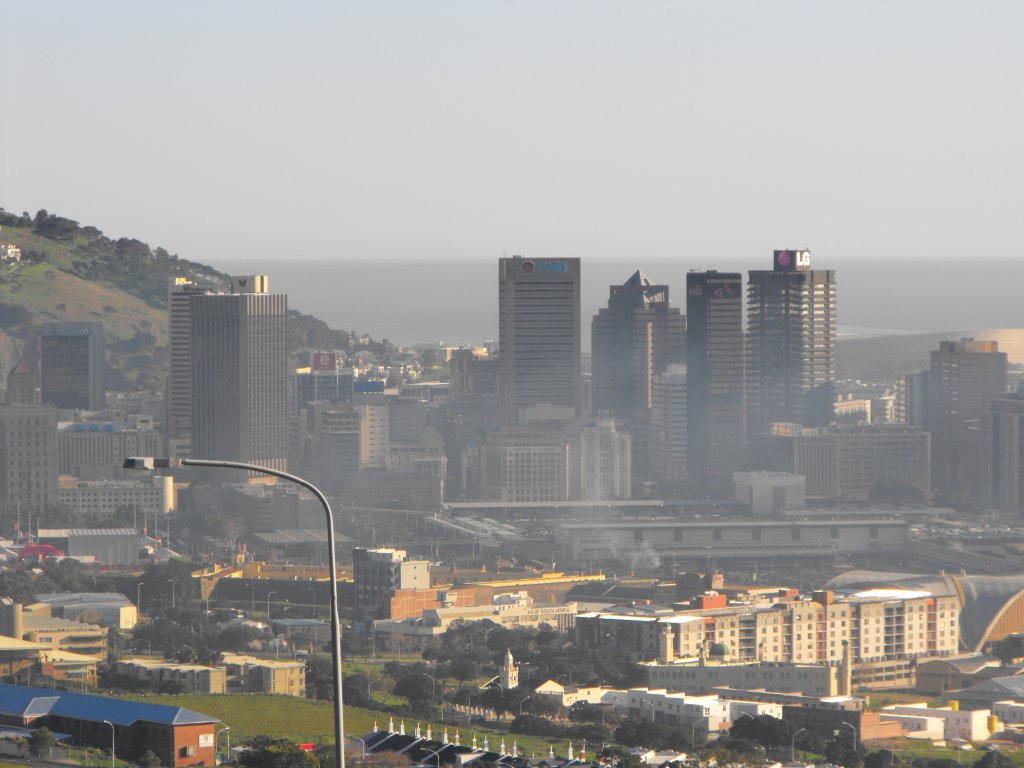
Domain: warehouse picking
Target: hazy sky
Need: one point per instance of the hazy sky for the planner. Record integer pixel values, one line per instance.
(635, 129)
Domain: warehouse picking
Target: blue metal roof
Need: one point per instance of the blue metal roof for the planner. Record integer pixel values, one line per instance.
(23, 701)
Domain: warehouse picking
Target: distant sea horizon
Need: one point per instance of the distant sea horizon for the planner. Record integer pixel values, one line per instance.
(455, 301)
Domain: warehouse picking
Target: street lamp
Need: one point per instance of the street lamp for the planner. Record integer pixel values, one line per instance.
(433, 684)
(434, 753)
(152, 463)
(111, 742)
(225, 729)
(311, 589)
(271, 592)
(792, 744)
(138, 596)
(853, 730)
(361, 741)
(649, 704)
(523, 702)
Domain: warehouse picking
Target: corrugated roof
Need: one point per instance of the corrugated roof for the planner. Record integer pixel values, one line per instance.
(23, 701)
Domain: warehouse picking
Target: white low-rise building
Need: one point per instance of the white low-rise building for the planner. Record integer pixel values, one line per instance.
(710, 713)
(1009, 711)
(919, 719)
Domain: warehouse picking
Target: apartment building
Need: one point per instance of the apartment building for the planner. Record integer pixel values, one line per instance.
(883, 630)
(249, 674)
(195, 678)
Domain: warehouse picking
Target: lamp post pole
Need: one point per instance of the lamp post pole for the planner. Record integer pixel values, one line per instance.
(138, 596)
(792, 744)
(332, 559)
(271, 592)
(111, 742)
(523, 702)
(226, 729)
(853, 730)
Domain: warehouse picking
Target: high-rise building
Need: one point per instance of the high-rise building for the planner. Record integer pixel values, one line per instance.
(911, 405)
(538, 334)
(714, 384)
(632, 340)
(239, 359)
(605, 462)
(178, 392)
(965, 376)
(1001, 482)
(72, 367)
(848, 462)
(28, 447)
(791, 343)
(668, 425)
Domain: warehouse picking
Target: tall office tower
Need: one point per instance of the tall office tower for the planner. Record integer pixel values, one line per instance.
(239, 359)
(965, 376)
(1001, 481)
(28, 447)
(605, 465)
(178, 391)
(714, 383)
(911, 405)
(668, 425)
(791, 343)
(538, 334)
(72, 367)
(636, 337)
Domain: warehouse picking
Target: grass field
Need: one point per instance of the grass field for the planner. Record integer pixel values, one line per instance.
(313, 721)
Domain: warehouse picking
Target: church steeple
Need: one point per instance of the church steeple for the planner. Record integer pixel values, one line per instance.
(509, 672)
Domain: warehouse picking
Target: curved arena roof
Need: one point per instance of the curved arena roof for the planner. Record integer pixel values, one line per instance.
(991, 607)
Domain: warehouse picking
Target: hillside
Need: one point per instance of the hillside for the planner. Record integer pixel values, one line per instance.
(71, 272)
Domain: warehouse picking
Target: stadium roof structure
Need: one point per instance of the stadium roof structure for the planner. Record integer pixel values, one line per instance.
(28, 703)
(991, 607)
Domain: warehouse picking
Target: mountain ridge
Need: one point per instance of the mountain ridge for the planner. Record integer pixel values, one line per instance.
(74, 273)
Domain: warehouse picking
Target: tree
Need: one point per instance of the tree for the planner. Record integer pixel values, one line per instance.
(149, 759)
(41, 741)
(882, 758)
(417, 688)
(994, 759)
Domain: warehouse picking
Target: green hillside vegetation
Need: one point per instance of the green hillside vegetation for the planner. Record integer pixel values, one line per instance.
(75, 273)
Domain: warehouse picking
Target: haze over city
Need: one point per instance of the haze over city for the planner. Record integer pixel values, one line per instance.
(528, 384)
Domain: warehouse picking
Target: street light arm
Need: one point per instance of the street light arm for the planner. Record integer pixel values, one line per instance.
(149, 462)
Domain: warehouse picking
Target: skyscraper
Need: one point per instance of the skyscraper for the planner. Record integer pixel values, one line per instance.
(178, 392)
(965, 376)
(668, 425)
(239, 359)
(791, 343)
(538, 334)
(636, 337)
(714, 383)
(72, 367)
(28, 447)
(1001, 482)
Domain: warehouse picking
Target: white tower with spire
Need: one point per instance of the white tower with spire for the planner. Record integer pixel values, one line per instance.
(509, 672)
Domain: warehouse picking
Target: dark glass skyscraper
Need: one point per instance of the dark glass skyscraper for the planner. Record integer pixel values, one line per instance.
(791, 343)
(714, 383)
(73, 367)
(636, 337)
(239, 358)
